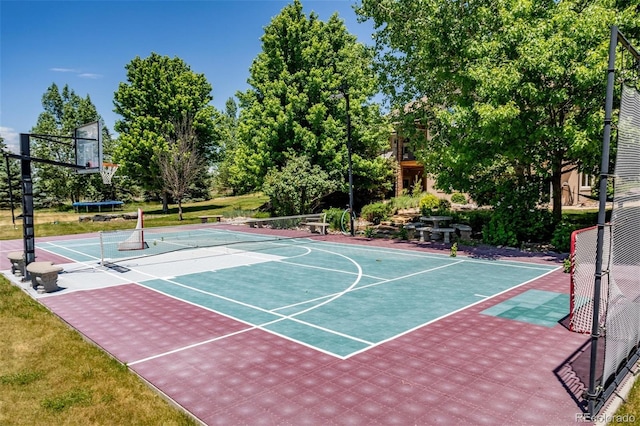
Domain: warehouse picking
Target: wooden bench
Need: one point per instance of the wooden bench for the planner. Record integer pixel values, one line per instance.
(44, 276)
(312, 226)
(215, 217)
(17, 263)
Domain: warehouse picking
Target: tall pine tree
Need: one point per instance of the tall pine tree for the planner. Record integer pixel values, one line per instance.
(291, 110)
(64, 110)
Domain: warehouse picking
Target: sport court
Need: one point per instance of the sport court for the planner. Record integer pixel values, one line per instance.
(320, 331)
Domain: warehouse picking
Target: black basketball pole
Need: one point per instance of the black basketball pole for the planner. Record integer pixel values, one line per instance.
(26, 182)
(28, 232)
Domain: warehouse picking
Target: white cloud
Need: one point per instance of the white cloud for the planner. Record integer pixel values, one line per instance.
(64, 70)
(77, 72)
(89, 75)
(11, 138)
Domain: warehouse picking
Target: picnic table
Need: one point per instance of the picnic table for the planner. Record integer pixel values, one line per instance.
(435, 220)
(437, 230)
(86, 204)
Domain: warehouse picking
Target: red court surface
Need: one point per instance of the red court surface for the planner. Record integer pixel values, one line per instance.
(468, 368)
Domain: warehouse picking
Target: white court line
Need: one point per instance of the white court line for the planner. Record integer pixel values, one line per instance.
(71, 250)
(409, 253)
(383, 281)
(84, 244)
(282, 317)
(372, 345)
(340, 271)
(449, 314)
(194, 345)
(327, 299)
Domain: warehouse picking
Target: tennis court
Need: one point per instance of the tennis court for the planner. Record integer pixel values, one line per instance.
(317, 330)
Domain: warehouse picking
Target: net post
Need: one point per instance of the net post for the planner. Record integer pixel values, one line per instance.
(594, 391)
(101, 249)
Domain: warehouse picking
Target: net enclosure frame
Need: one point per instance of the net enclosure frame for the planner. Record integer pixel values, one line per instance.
(582, 256)
(608, 322)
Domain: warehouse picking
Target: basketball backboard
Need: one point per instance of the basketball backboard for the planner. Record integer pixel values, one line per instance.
(88, 144)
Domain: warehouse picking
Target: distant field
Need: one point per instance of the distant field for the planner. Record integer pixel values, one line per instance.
(54, 222)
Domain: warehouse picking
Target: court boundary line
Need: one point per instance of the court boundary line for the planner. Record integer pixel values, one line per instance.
(262, 326)
(454, 312)
(281, 318)
(414, 253)
(52, 244)
(383, 281)
(329, 298)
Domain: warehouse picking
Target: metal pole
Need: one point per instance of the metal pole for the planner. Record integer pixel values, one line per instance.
(27, 203)
(593, 392)
(351, 214)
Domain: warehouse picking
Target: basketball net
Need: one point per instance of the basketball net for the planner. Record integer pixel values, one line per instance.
(107, 172)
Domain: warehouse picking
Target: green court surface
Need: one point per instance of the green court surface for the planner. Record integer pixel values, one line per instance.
(343, 299)
(338, 298)
(538, 307)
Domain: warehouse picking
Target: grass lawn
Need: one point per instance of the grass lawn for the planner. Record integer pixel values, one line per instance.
(53, 222)
(49, 375)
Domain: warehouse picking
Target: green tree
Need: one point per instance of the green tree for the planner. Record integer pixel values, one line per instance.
(512, 92)
(227, 136)
(13, 174)
(298, 187)
(291, 106)
(64, 110)
(159, 91)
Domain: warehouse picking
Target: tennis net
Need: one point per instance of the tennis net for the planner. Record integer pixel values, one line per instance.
(121, 245)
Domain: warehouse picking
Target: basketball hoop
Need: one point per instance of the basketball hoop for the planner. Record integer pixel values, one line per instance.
(107, 172)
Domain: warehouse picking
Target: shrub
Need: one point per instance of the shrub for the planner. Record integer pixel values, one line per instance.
(403, 233)
(510, 226)
(333, 217)
(444, 207)
(405, 202)
(477, 219)
(561, 238)
(458, 198)
(428, 204)
(375, 212)
(498, 233)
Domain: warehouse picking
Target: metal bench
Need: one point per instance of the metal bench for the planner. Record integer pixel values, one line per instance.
(215, 217)
(44, 276)
(17, 263)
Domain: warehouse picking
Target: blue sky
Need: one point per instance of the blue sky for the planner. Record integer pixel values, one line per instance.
(86, 44)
